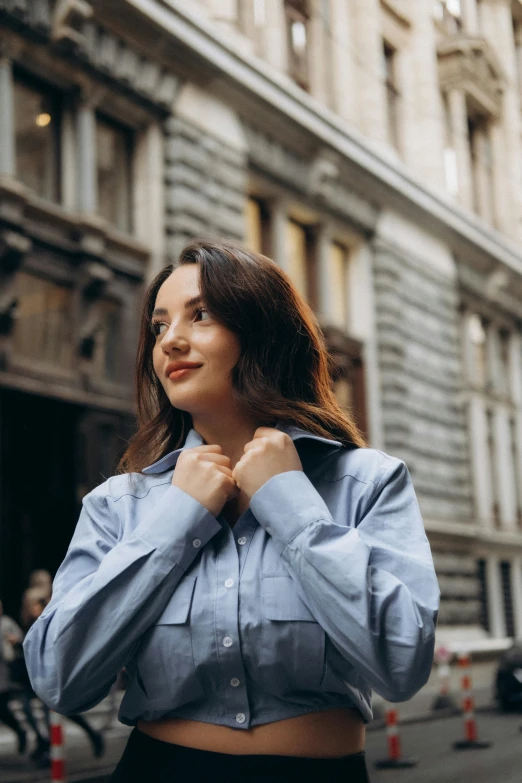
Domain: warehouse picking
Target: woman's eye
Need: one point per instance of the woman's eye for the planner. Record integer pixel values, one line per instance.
(201, 310)
(155, 326)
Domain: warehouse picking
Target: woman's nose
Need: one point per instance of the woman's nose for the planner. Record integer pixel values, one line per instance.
(174, 337)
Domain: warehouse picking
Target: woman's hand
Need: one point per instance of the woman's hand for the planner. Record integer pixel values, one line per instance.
(205, 473)
(269, 453)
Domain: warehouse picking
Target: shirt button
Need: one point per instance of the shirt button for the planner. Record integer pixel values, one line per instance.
(268, 530)
(196, 543)
(234, 682)
(241, 540)
(240, 717)
(227, 641)
(229, 582)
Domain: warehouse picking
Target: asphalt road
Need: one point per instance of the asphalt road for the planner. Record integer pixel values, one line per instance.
(431, 742)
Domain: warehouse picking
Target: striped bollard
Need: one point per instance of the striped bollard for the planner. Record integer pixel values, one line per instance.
(395, 759)
(57, 748)
(468, 707)
(444, 700)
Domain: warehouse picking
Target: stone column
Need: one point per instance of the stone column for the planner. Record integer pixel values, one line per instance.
(505, 474)
(87, 186)
(7, 119)
(497, 622)
(278, 229)
(425, 132)
(483, 490)
(503, 194)
(320, 54)
(470, 16)
(516, 581)
(369, 69)
(343, 65)
(460, 138)
(497, 27)
(274, 45)
(323, 240)
(363, 325)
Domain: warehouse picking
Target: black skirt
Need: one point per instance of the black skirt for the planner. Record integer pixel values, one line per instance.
(146, 758)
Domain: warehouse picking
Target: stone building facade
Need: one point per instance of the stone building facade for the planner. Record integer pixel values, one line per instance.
(371, 147)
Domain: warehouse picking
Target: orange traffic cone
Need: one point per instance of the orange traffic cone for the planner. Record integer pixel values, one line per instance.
(395, 758)
(468, 708)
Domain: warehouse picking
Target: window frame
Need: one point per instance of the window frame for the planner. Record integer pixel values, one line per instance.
(298, 11)
(130, 150)
(57, 100)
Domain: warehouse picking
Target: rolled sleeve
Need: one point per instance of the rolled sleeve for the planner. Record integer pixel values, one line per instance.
(179, 526)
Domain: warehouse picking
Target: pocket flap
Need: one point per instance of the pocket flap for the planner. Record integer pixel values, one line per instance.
(280, 600)
(178, 608)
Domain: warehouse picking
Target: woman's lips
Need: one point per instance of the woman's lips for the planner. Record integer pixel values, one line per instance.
(181, 373)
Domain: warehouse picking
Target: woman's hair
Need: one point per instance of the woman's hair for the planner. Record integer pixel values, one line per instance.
(284, 370)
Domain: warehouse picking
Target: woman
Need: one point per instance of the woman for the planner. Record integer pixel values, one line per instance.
(264, 573)
(10, 635)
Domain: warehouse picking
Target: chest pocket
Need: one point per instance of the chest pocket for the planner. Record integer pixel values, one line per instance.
(293, 643)
(165, 663)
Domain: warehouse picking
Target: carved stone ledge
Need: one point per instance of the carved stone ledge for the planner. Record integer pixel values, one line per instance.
(35, 14)
(68, 22)
(469, 64)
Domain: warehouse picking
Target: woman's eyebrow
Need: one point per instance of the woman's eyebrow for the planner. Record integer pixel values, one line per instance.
(189, 303)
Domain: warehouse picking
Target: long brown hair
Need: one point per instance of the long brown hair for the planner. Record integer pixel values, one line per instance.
(284, 370)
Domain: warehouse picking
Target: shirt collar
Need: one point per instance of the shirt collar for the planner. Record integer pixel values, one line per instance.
(194, 439)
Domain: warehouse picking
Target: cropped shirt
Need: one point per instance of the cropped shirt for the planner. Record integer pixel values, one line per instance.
(323, 590)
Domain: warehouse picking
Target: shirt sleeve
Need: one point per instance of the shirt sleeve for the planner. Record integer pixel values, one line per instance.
(107, 592)
(371, 584)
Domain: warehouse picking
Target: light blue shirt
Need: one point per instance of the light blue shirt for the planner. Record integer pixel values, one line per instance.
(323, 590)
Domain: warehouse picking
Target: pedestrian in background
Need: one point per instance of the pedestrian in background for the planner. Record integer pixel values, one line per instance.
(264, 573)
(10, 635)
(34, 600)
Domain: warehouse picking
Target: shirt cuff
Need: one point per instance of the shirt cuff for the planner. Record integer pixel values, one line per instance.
(286, 504)
(179, 526)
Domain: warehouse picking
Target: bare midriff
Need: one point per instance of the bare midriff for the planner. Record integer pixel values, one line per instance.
(330, 734)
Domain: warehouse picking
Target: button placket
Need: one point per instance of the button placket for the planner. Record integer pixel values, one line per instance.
(232, 674)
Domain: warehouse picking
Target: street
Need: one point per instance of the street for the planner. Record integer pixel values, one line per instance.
(430, 741)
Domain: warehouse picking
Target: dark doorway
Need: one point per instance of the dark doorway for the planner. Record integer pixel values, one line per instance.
(52, 454)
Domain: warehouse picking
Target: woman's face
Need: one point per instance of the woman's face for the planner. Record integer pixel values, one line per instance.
(191, 334)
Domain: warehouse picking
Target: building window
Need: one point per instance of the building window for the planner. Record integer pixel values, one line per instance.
(37, 137)
(483, 595)
(108, 340)
(392, 94)
(257, 218)
(43, 324)
(297, 17)
(505, 575)
(300, 259)
(114, 146)
(449, 14)
(339, 260)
